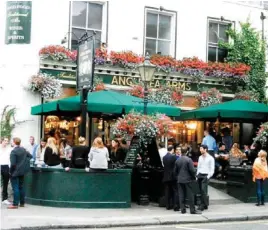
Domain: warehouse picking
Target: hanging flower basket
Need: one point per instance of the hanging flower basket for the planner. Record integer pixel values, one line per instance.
(48, 86)
(262, 134)
(98, 84)
(57, 53)
(144, 126)
(209, 97)
(137, 91)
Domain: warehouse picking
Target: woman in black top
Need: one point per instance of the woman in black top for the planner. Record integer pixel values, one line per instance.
(118, 154)
(80, 153)
(52, 155)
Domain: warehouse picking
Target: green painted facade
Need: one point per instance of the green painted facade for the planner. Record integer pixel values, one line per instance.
(79, 189)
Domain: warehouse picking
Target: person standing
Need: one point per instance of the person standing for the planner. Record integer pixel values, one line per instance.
(162, 151)
(169, 180)
(19, 166)
(32, 147)
(260, 173)
(210, 142)
(185, 174)
(5, 151)
(205, 170)
(52, 154)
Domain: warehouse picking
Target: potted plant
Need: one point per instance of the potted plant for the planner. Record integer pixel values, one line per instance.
(209, 97)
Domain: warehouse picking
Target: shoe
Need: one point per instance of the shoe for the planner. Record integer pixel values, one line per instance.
(12, 207)
(183, 211)
(176, 209)
(22, 205)
(258, 204)
(201, 208)
(168, 208)
(6, 202)
(205, 207)
(196, 212)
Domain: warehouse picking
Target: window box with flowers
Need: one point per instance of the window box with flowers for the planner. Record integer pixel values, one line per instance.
(209, 97)
(246, 95)
(55, 54)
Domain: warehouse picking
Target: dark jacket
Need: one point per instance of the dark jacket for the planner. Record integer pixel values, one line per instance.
(184, 170)
(80, 156)
(169, 164)
(50, 158)
(119, 155)
(19, 161)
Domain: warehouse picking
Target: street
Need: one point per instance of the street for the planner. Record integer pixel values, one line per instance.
(245, 225)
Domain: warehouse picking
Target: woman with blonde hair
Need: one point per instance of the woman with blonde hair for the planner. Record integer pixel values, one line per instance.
(260, 173)
(52, 155)
(236, 152)
(98, 156)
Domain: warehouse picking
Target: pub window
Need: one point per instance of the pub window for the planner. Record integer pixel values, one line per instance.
(216, 33)
(159, 34)
(88, 17)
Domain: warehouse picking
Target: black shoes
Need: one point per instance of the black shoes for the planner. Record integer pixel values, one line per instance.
(202, 208)
(183, 211)
(176, 209)
(196, 212)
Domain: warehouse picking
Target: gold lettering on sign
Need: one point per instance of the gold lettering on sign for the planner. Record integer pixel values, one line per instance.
(128, 81)
(114, 81)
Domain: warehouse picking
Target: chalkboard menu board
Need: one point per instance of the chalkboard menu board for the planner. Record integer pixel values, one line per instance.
(133, 151)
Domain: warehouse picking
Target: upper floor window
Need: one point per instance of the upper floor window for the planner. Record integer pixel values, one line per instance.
(160, 30)
(260, 4)
(216, 33)
(89, 17)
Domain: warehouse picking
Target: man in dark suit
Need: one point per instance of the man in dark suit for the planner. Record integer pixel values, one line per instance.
(185, 173)
(19, 166)
(169, 180)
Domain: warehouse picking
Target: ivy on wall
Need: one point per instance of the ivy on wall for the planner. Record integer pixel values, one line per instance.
(247, 47)
(8, 121)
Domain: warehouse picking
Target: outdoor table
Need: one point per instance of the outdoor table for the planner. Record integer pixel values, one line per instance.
(78, 188)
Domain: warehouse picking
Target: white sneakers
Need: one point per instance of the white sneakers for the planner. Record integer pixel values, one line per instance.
(6, 202)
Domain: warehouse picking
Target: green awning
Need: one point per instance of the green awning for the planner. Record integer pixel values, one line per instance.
(236, 109)
(104, 102)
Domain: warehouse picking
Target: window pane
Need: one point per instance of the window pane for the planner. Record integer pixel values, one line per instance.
(164, 27)
(213, 32)
(79, 14)
(212, 54)
(222, 54)
(151, 25)
(150, 46)
(163, 47)
(94, 16)
(223, 35)
(79, 33)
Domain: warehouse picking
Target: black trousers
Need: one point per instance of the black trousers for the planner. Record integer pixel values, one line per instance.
(186, 190)
(5, 179)
(170, 194)
(203, 187)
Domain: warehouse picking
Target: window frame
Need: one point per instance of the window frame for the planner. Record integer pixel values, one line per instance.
(104, 30)
(214, 45)
(173, 29)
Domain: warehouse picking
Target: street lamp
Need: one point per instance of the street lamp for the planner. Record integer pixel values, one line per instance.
(146, 70)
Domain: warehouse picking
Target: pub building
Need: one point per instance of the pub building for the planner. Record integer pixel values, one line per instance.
(121, 80)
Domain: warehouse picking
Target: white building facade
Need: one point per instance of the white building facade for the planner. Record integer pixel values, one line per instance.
(177, 28)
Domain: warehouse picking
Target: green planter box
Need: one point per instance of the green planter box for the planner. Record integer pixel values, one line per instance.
(79, 189)
(240, 184)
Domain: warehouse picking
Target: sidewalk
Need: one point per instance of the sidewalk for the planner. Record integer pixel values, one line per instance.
(37, 217)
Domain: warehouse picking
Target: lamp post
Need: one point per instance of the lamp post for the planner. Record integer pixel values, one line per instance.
(146, 70)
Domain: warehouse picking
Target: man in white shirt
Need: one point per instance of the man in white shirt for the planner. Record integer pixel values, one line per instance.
(205, 170)
(5, 151)
(162, 151)
(32, 147)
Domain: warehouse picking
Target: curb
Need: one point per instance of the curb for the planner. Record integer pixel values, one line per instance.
(148, 222)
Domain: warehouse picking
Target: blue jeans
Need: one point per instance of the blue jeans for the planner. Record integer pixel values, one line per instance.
(18, 190)
(260, 190)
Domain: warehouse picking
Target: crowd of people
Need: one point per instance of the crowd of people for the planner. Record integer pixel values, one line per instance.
(16, 160)
(179, 163)
(212, 160)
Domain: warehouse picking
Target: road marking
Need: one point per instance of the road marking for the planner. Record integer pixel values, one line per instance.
(187, 228)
